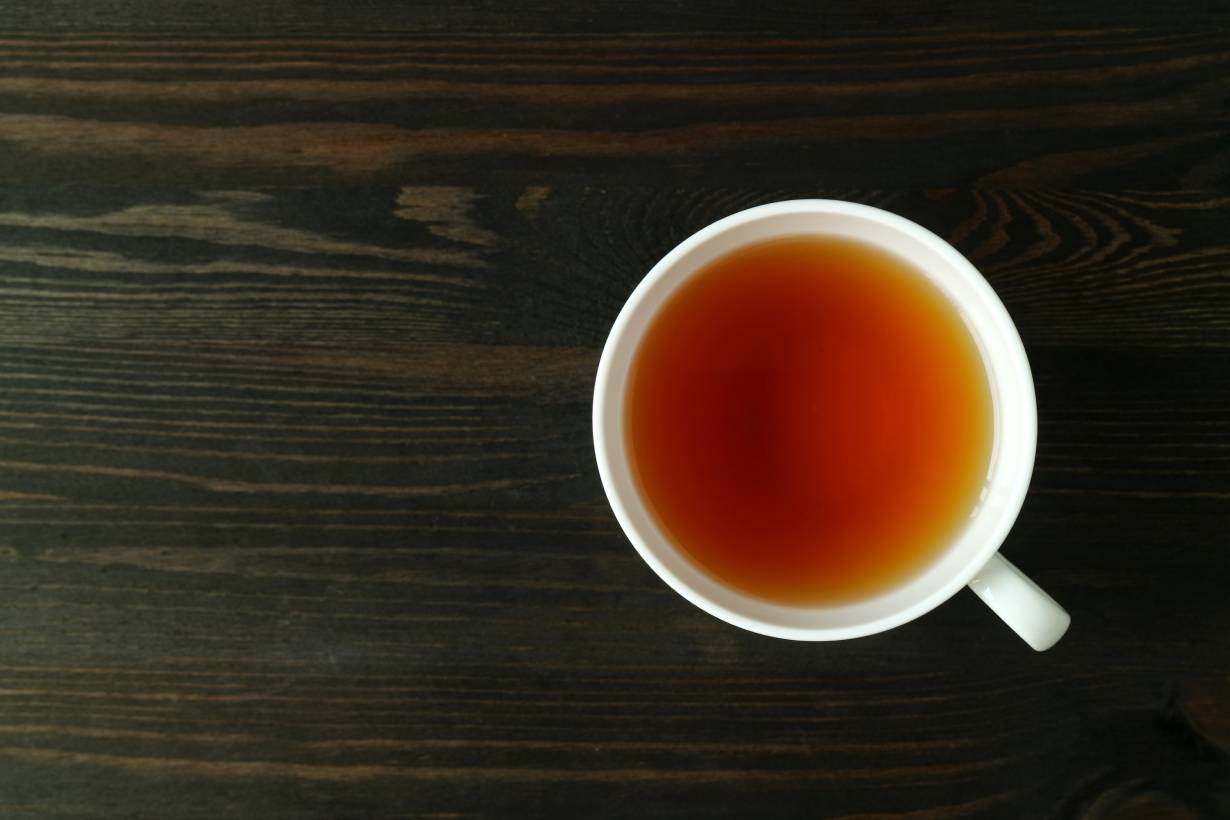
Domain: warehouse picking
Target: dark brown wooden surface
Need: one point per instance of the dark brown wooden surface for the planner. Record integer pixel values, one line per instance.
(300, 306)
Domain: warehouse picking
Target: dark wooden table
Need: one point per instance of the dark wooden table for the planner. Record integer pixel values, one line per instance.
(300, 305)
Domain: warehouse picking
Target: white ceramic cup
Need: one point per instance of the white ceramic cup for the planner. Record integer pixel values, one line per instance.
(970, 559)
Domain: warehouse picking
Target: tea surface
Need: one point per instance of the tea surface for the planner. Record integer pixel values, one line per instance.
(809, 420)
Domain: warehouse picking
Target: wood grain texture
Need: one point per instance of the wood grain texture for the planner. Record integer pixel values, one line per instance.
(299, 316)
(932, 107)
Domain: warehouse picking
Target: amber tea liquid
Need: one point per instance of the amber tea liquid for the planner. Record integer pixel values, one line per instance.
(809, 420)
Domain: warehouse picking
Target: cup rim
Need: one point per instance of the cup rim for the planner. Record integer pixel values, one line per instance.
(1012, 357)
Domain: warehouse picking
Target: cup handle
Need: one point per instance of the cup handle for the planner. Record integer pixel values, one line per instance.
(1022, 604)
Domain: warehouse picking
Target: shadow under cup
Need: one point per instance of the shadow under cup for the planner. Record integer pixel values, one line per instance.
(1008, 377)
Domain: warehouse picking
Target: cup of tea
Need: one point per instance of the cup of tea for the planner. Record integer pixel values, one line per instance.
(815, 420)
